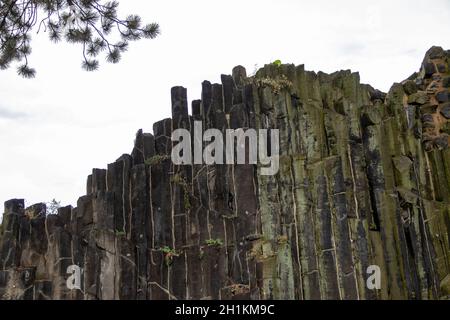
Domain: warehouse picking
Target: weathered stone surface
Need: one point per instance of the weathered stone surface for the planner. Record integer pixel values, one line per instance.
(445, 286)
(442, 68)
(229, 89)
(98, 181)
(410, 87)
(10, 245)
(363, 179)
(144, 147)
(427, 118)
(446, 82)
(442, 141)
(445, 110)
(429, 69)
(442, 96)
(418, 98)
(239, 74)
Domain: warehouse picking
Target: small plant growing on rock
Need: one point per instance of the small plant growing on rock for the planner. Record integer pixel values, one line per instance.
(214, 242)
(277, 63)
(167, 250)
(275, 84)
(187, 201)
(255, 252)
(169, 253)
(156, 159)
(178, 179)
(373, 226)
(238, 288)
(282, 239)
(120, 233)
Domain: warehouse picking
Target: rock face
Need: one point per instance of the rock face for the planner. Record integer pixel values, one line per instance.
(364, 180)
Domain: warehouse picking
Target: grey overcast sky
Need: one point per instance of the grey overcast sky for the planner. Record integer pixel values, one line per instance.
(55, 128)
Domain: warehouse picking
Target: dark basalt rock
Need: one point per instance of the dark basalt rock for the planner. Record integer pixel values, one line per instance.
(239, 74)
(442, 96)
(363, 180)
(441, 68)
(418, 98)
(376, 94)
(445, 110)
(442, 141)
(435, 52)
(429, 69)
(446, 82)
(427, 108)
(428, 145)
(427, 118)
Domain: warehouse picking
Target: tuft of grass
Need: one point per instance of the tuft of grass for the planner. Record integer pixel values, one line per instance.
(120, 233)
(275, 84)
(277, 63)
(214, 242)
(169, 253)
(167, 250)
(156, 159)
(178, 179)
(239, 288)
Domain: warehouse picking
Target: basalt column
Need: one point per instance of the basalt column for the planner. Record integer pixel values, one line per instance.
(362, 184)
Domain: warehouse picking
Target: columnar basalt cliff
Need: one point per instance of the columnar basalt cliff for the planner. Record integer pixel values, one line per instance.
(364, 180)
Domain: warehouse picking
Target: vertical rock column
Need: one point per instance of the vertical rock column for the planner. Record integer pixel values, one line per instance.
(10, 253)
(162, 219)
(141, 224)
(181, 194)
(243, 224)
(269, 206)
